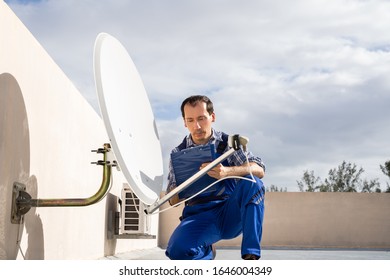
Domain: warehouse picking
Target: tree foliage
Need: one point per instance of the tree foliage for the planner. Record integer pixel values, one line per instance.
(386, 170)
(274, 188)
(347, 177)
(371, 186)
(309, 182)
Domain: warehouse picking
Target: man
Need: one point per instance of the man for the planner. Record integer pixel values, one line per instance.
(234, 207)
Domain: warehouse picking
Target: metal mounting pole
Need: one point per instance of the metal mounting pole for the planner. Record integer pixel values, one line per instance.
(152, 208)
(235, 142)
(22, 202)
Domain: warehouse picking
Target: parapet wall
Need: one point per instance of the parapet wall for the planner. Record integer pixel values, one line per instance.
(313, 220)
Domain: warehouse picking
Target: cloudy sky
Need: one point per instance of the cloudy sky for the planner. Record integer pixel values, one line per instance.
(308, 81)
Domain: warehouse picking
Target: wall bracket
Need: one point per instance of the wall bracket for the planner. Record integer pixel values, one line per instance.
(22, 201)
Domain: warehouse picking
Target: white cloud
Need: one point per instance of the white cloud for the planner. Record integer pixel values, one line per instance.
(306, 81)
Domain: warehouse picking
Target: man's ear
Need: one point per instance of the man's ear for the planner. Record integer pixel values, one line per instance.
(185, 125)
(213, 117)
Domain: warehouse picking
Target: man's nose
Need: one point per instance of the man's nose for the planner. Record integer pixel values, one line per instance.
(196, 124)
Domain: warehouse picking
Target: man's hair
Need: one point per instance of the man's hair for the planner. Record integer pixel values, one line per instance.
(194, 100)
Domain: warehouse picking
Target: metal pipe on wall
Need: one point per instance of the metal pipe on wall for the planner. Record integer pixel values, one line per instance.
(22, 201)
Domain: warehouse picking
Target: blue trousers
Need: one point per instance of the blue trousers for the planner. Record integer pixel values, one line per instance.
(204, 224)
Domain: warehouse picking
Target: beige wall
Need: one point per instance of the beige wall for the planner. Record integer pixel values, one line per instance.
(313, 220)
(47, 133)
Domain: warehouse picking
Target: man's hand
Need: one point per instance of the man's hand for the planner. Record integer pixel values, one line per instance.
(174, 200)
(219, 171)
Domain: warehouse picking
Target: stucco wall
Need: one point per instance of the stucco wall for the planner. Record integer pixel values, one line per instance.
(313, 220)
(47, 133)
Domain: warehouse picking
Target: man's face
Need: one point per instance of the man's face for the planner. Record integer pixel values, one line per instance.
(198, 121)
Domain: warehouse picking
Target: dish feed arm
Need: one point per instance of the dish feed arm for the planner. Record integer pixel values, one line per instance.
(234, 142)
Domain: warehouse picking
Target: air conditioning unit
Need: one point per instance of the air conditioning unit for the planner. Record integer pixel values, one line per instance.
(133, 218)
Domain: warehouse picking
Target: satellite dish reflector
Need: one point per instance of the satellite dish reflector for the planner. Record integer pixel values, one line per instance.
(128, 118)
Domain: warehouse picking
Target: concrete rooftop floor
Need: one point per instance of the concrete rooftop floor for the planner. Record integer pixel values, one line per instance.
(269, 254)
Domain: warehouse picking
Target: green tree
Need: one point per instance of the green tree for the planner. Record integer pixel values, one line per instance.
(371, 186)
(346, 178)
(309, 182)
(274, 188)
(386, 170)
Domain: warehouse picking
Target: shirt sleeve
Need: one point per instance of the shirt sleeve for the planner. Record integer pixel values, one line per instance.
(238, 158)
(171, 178)
(171, 174)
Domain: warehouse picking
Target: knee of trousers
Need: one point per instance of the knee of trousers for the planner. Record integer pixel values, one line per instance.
(179, 251)
(253, 192)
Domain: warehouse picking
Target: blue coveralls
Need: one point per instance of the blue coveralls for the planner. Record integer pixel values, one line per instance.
(203, 224)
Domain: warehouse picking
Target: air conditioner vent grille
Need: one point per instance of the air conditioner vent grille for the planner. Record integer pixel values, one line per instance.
(133, 217)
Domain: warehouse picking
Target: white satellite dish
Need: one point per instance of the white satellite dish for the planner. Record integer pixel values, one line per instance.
(128, 118)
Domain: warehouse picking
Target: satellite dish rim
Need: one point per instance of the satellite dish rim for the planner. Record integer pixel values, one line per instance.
(146, 195)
